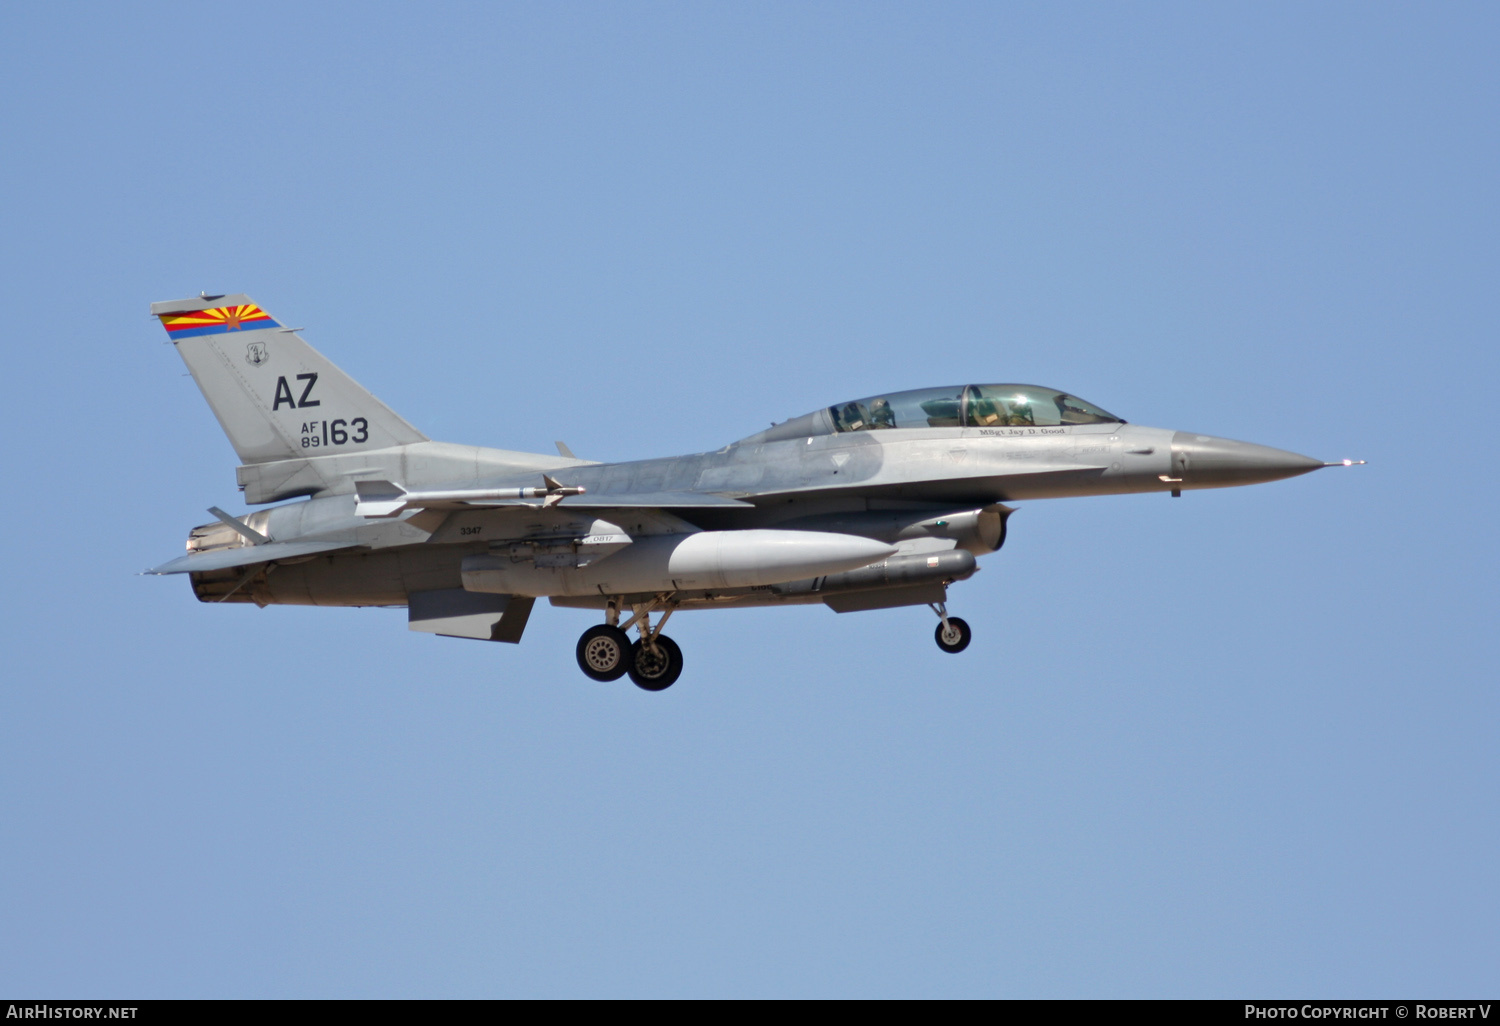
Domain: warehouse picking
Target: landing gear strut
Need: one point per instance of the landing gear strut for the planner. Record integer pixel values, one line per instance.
(654, 662)
(953, 635)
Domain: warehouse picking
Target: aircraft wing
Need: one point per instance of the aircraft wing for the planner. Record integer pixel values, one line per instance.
(248, 555)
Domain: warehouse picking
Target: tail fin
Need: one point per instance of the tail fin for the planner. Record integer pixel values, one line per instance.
(276, 397)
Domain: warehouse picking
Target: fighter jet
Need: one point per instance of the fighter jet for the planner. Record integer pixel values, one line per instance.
(872, 503)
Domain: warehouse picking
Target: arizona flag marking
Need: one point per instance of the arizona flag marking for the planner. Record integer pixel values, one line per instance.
(245, 317)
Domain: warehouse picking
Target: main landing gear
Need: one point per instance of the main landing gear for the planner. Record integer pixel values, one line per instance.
(654, 662)
(953, 635)
(604, 652)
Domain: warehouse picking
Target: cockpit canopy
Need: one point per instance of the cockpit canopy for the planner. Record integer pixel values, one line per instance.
(957, 406)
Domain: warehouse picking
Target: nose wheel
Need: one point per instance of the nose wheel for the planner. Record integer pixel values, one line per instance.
(953, 635)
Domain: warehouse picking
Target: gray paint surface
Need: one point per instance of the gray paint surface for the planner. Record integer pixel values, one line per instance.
(452, 520)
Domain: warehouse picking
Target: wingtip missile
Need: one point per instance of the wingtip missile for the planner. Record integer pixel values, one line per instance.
(379, 499)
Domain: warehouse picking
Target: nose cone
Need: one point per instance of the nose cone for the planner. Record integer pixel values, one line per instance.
(1202, 461)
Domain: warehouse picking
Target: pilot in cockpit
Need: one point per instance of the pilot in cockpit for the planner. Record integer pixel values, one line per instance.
(984, 412)
(881, 414)
(853, 417)
(1020, 410)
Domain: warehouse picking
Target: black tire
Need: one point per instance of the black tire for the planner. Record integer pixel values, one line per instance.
(955, 637)
(604, 652)
(659, 670)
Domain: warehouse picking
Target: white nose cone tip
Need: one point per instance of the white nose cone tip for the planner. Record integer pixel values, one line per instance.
(747, 559)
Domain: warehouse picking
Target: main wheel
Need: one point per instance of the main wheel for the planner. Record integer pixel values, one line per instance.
(658, 670)
(604, 652)
(954, 636)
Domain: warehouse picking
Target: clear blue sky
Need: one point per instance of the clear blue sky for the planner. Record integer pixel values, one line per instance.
(1239, 743)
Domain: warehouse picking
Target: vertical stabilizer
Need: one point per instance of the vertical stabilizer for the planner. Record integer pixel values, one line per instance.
(276, 397)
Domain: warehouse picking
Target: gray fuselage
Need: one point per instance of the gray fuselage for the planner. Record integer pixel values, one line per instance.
(921, 490)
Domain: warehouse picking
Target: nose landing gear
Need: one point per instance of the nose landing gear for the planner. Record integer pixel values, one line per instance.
(654, 662)
(953, 635)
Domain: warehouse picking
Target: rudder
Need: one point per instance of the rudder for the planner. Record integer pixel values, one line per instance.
(275, 396)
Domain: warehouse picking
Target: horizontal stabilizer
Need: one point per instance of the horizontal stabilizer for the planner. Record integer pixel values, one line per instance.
(248, 555)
